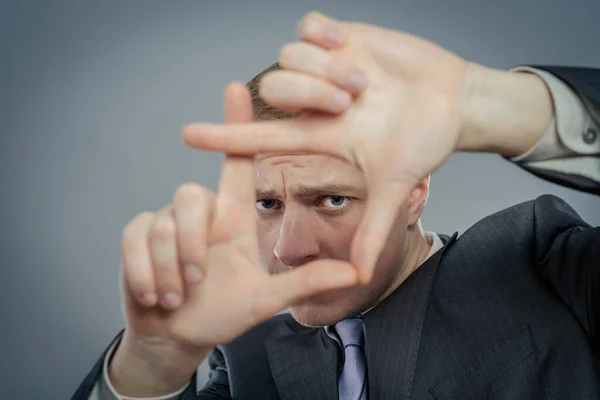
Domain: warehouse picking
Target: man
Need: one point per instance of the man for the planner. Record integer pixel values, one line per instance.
(379, 308)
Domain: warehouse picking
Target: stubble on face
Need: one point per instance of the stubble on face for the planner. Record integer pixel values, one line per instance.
(286, 175)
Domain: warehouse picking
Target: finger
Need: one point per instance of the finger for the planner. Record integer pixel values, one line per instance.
(193, 208)
(236, 198)
(291, 135)
(136, 262)
(294, 90)
(385, 199)
(165, 260)
(321, 30)
(237, 103)
(309, 280)
(318, 62)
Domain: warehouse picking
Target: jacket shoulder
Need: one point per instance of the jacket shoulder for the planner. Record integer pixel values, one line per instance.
(522, 214)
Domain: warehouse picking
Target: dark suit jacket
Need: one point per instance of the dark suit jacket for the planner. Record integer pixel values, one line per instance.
(509, 310)
(586, 83)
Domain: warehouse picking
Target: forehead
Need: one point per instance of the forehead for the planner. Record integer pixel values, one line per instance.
(296, 169)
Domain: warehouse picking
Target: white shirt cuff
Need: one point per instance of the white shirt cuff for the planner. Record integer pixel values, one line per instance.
(572, 127)
(106, 378)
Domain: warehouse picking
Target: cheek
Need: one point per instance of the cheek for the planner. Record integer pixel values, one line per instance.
(267, 230)
(338, 233)
(338, 240)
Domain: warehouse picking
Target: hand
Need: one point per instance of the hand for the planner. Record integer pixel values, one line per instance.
(403, 122)
(192, 277)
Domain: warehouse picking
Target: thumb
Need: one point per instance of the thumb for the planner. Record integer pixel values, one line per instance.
(385, 199)
(308, 280)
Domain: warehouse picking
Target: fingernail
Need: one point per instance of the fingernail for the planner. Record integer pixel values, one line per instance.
(170, 300)
(192, 273)
(148, 299)
(341, 100)
(357, 81)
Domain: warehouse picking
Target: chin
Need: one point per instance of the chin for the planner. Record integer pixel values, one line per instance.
(313, 317)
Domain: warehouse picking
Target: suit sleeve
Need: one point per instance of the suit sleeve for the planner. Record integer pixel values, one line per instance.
(88, 388)
(104, 389)
(567, 252)
(569, 152)
(217, 386)
(96, 385)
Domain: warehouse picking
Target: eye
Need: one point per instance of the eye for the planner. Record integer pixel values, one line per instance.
(266, 204)
(335, 202)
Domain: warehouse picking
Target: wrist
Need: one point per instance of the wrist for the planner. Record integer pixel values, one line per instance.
(503, 112)
(150, 367)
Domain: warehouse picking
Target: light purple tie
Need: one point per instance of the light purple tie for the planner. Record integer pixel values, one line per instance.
(352, 379)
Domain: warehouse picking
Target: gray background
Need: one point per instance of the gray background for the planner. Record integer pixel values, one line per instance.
(92, 99)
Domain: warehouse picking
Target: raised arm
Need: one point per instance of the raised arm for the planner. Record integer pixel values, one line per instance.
(192, 280)
(397, 106)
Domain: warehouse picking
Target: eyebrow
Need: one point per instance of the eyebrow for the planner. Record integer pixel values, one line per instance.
(310, 191)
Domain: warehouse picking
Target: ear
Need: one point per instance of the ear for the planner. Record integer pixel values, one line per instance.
(417, 199)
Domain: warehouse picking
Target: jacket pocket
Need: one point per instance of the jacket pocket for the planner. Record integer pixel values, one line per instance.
(502, 372)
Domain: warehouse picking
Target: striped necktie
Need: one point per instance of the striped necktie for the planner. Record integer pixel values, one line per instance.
(352, 382)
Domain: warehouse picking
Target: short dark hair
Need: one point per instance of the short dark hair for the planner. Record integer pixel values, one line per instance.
(261, 111)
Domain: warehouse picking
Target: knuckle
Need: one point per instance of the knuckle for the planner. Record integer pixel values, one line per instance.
(268, 86)
(320, 93)
(332, 68)
(186, 191)
(287, 54)
(168, 277)
(131, 244)
(169, 283)
(163, 229)
(192, 250)
(190, 193)
(138, 284)
(140, 220)
(133, 234)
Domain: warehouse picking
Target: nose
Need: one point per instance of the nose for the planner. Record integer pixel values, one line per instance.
(297, 242)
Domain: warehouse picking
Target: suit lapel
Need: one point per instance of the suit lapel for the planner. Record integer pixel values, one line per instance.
(303, 362)
(393, 331)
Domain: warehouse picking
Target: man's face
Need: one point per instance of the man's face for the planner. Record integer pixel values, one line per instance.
(309, 207)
